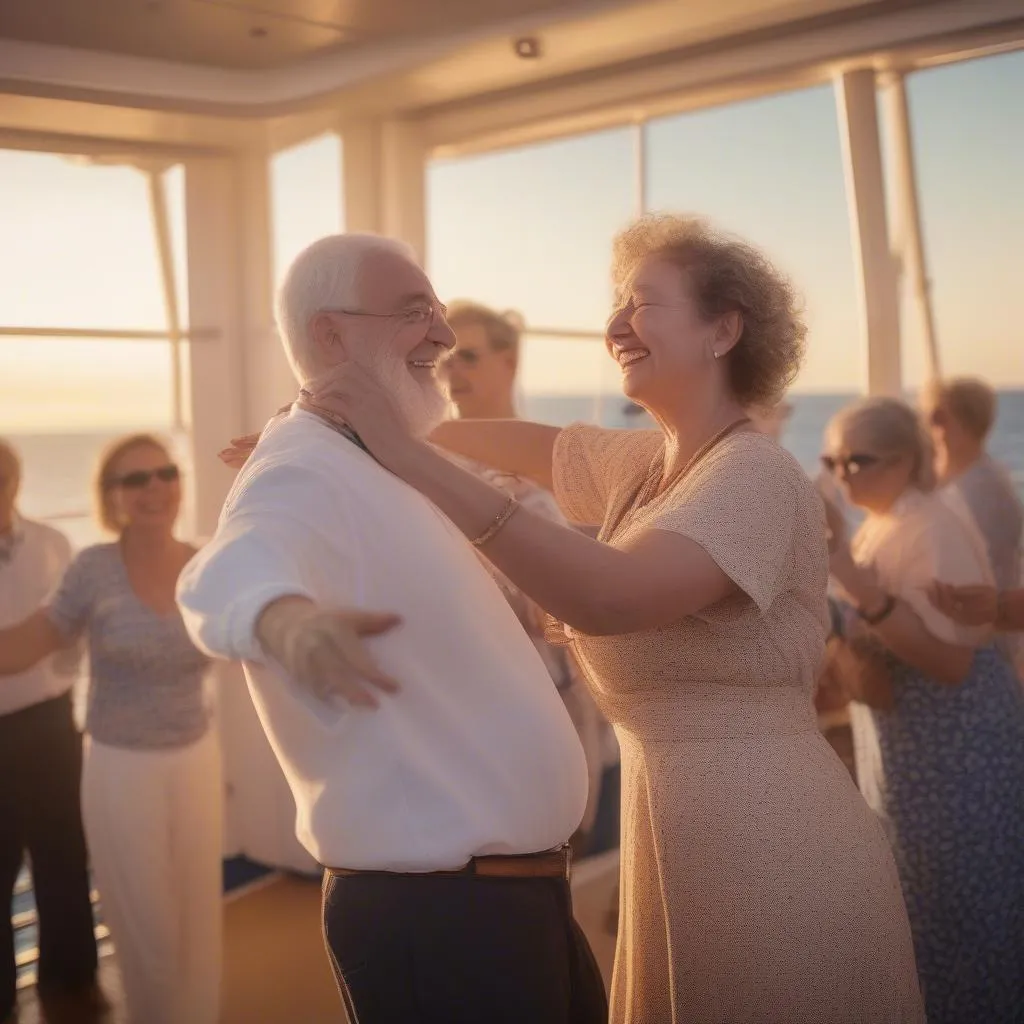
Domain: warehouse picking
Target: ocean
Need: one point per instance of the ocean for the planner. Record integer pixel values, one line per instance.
(58, 467)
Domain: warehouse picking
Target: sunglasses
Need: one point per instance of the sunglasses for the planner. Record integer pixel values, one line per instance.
(852, 464)
(140, 478)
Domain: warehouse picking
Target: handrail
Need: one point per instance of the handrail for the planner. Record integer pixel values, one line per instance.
(50, 517)
(30, 918)
(110, 334)
(568, 333)
(30, 956)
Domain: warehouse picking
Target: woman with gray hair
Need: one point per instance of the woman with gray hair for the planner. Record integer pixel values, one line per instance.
(940, 740)
(756, 886)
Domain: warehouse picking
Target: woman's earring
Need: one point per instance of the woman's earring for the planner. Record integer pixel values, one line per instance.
(718, 355)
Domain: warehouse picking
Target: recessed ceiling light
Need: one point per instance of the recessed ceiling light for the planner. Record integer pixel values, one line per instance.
(527, 47)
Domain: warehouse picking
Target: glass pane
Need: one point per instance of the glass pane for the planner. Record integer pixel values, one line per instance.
(62, 401)
(562, 381)
(771, 170)
(54, 384)
(968, 136)
(76, 245)
(530, 229)
(306, 197)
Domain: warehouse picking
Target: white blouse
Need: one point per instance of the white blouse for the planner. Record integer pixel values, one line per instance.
(919, 540)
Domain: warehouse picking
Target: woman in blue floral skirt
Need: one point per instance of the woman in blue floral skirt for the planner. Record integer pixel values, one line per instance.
(940, 740)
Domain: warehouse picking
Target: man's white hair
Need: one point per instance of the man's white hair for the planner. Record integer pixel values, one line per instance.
(325, 275)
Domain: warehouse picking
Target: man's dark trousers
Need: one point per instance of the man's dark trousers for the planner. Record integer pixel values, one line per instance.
(432, 949)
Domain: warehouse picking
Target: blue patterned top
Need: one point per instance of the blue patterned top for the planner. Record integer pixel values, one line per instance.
(146, 688)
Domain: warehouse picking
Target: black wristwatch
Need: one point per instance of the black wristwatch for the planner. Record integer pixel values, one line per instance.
(882, 614)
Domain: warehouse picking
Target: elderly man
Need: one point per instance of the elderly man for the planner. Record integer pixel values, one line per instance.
(436, 772)
(960, 414)
(481, 374)
(41, 772)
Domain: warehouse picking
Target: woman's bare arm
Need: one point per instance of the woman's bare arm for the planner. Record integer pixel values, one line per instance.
(24, 645)
(595, 588)
(903, 632)
(513, 446)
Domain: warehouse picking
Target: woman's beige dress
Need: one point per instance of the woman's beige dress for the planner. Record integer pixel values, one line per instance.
(756, 884)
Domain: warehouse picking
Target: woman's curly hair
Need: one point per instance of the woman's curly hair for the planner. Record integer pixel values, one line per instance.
(727, 274)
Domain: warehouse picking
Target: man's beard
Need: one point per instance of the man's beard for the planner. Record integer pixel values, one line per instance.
(423, 406)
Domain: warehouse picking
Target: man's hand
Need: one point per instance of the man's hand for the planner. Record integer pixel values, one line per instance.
(323, 650)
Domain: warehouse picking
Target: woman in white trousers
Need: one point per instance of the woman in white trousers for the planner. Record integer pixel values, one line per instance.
(151, 789)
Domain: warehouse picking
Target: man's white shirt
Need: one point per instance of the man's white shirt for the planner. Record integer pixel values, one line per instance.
(476, 754)
(38, 557)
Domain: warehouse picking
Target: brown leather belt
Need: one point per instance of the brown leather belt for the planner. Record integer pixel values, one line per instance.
(550, 864)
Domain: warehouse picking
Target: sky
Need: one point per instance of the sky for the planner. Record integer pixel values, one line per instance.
(531, 228)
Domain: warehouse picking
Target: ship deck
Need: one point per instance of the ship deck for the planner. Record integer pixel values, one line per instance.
(275, 970)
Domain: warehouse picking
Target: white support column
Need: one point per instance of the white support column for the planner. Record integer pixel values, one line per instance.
(385, 186)
(162, 235)
(640, 167)
(216, 379)
(873, 262)
(906, 216)
(269, 381)
(236, 382)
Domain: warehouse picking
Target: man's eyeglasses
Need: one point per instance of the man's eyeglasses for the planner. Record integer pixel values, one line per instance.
(415, 316)
(140, 478)
(852, 464)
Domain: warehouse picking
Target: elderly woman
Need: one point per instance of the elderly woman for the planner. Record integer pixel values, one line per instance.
(941, 748)
(960, 414)
(151, 786)
(757, 885)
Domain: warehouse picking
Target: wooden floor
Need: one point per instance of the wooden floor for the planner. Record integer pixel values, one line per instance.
(275, 969)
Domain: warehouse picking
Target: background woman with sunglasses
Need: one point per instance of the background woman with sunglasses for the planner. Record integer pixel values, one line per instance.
(151, 789)
(940, 751)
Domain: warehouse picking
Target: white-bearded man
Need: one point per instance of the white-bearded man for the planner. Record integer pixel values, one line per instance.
(436, 773)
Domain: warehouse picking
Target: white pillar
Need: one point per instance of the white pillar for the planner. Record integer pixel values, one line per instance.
(640, 167)
(906, 216)
(236, 382)
(269, 381)
(216, 379)
(165, 256)
(385, 187)
(873, 262)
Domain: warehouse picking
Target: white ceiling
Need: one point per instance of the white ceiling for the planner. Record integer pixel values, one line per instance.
(252, 34)
(192, 69)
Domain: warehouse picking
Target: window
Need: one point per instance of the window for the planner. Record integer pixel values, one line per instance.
(79, 252)
(77, 245)
(771, 171)
(530, 229)
(969, 150)
(306, 197)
